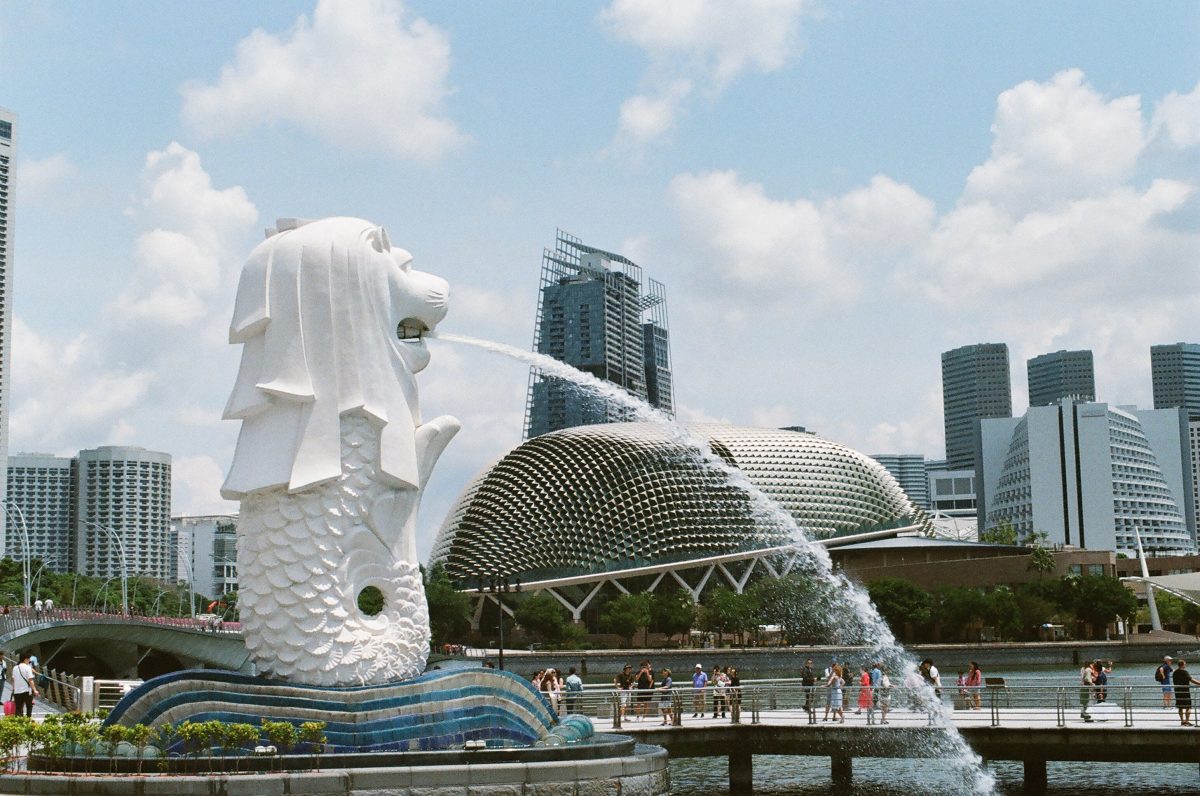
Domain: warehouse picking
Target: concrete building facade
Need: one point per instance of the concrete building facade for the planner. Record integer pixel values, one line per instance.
(1062, 374)
(42, 488)
(126, 490)
(206, 551)
(909, 471)
(975, 385)
(8, 173)
(1088, 474)
(598, 314)
(1175, 372)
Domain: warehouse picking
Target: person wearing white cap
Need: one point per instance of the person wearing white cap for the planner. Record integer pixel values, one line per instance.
(699, 683)
(1163, 675)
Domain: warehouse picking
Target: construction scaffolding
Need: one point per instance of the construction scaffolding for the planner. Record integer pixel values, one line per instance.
(597, 313)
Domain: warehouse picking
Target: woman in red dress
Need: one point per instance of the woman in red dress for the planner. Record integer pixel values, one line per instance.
(864, 691)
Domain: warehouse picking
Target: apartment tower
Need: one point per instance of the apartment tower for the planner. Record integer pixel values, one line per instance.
(975, 385)
(1062, 374)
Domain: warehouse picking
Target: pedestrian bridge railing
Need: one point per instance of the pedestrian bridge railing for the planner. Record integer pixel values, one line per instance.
(25, 618)
(1047, 704)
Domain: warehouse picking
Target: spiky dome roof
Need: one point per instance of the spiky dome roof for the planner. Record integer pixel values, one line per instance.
(616, 496)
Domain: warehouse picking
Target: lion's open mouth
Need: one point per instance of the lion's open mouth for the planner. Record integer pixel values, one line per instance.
(411, 329)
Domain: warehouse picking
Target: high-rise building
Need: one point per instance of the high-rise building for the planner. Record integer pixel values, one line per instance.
(123, 510)
(41, 495)
(909, 471)
(1062, 374)
(1089, 475)
(1175, 371)
(8, 170)
(207, 553)
(975, 385)
(598, 314)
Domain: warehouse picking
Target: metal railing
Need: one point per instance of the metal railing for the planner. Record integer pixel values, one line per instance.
(1056, 704)
(57, 687)
(22, 618)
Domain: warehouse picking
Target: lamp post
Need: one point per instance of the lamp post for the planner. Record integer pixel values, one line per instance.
(124, 564)
(103, 588)
(498, 586)
(187, 565)
(24, 544)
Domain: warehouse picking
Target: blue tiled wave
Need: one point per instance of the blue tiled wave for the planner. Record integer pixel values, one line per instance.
(438, 710)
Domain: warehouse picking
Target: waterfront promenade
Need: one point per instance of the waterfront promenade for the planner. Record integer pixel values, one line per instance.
(1030, 724)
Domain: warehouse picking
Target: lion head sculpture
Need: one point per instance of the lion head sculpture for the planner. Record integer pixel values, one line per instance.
(330, 316)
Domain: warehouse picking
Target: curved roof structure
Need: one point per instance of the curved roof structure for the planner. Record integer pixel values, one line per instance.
(620, 496)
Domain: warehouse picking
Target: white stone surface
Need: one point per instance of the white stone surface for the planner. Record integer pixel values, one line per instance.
(332, 454)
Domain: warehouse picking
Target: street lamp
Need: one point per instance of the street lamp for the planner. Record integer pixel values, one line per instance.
(187, 563)
(24, 543)
(103, 588)
(498, 586)
(124, 564)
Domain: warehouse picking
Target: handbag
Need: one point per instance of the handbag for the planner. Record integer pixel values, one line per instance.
(10, 708)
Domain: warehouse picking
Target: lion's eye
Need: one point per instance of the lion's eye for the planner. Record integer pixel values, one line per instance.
(411, 329)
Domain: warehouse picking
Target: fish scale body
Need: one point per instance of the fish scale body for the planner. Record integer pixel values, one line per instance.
(303, 559)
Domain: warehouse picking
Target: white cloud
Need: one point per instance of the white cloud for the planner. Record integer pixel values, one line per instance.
(65, 391)
(1056, 141)
(196, 486)
(793, 250)
(643, 117)
(361, 74)
(1063, 237)
(1178, 117)
(190, 253)
(38, 179)
(155, 372)
(698, 42)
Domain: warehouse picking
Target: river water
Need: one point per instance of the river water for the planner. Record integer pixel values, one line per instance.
(809, 776)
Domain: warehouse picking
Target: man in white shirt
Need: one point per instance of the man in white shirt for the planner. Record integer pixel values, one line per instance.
(38, 605)
(24, 685)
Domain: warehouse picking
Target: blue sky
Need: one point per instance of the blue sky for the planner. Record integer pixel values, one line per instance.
(833, 194)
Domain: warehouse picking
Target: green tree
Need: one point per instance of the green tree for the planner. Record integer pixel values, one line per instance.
(1041, 559)
(958, 609)
(449, 609)
(1002, 612)
(1100, 599)
(239, 737)
(1002, 533)
(795, 603)
(672, 612)
(313, 734)
(900, 601)
(1035, 610)
(543, 617)
(725, 611)
(626, 615)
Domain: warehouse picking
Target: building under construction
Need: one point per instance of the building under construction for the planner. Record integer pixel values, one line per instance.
(597, 313)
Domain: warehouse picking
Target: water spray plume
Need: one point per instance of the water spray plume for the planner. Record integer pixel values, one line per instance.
(857, 618)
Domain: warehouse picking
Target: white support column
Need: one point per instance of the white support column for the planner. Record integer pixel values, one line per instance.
(687, 586)
(575, 612)
(619, 586)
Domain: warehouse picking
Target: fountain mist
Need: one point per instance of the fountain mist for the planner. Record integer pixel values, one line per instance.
(845, 603)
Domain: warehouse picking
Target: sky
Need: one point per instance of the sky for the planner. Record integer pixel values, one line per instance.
(833, 193)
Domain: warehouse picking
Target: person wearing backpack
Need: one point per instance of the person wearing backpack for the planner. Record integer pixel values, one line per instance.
(24, 689)
(1163, 675)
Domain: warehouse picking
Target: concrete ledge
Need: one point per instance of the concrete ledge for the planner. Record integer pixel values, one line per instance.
(644, 773)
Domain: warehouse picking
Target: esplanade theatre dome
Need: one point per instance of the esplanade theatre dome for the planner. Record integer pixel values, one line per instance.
(619, 496)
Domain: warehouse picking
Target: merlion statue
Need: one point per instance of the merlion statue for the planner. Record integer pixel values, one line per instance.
(332, 455)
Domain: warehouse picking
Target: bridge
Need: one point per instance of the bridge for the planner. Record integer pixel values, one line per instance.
(1030, 724)
(112, 645)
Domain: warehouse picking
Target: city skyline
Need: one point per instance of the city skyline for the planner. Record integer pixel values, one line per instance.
(834, 194)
